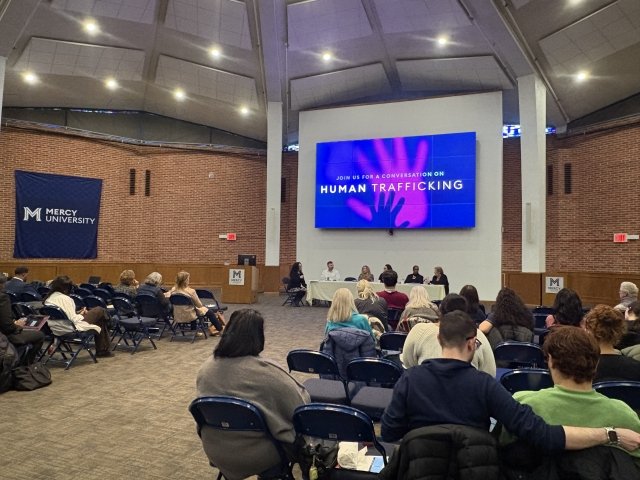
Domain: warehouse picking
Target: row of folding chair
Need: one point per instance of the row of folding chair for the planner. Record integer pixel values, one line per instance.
(318, 420)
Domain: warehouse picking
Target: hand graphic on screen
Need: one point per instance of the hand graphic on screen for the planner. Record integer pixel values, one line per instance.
(385, 211)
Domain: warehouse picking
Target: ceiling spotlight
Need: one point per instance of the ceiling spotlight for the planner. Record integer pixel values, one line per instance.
(244, 110)
(215, 52)
(582, 76)
(442, 40)
(91, 27)
(326, 56)
(30, 78)
(179, 94)
(111, 83)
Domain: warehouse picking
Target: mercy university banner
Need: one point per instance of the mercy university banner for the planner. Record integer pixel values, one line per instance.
(56, 216)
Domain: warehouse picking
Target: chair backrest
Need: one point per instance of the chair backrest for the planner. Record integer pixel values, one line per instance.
(123, 306)
(203, 293)
(43, 290)
(103, 294)
(58, 321)
(94, 280)
(91, 301)
(28, 297)
(12, 297)
(180, 299)
(336, 422)
(627, 391)
(54, 312)
(377, 371)
(122, 295)
(106, 286)
(392, 341)
(526, 379)
(519, 354)
(83, 292)
(77, 300)
(23, 309)
(539, 320)
(393, 316)
(149, 306)
(543, 310)
(310, 361)
(89, 286)
(232, 414)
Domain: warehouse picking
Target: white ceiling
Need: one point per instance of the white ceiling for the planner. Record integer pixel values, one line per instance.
(271, 51)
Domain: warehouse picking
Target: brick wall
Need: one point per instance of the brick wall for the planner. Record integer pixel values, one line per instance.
(187, 210)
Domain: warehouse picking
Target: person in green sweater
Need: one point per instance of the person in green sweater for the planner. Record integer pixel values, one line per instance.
(572, 355)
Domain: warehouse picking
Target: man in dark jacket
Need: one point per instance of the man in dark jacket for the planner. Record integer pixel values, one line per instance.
(18, 284)
(449, 390)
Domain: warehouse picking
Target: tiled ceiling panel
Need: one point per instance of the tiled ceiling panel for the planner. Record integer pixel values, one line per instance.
(453, 74)
(219, 21)
(208, 82)
(318, 24)
(133, 10)
(420, 15)
(46, 56)
(335, 87)
(593, 38)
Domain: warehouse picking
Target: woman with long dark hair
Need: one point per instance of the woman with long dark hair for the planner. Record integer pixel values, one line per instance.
(474, 308)
(297, 283)
(509, 320)
(568, 309)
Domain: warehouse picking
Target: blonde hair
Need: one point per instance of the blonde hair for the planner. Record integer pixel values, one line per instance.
(182, 280)
(342, 306)
(127, 277)
(365, 291)
(629, 288)
(154, 278)
(419, 298)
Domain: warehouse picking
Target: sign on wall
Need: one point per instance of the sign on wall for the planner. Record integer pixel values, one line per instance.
(56, 216)
(553, 284)
(236, 276)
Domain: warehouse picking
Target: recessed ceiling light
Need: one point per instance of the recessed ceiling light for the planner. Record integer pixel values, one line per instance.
(244, 110)
(30, 78)
(91, 27)
(582, 76)
(111, 83)
(327, 56)
(442, 40)
(179, 94)
(215, 52)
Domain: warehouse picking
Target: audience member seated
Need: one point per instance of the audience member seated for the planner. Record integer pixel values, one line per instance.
(447, 390)
(439, 278)
(151, 286)
(128, 284)
(422, 342)
(415, 276)
(606, 324)
(365, 274)
(387, 268)
(568, 309)
(474, 308)
(394, 298)
(509, 320)
(348, 334)
(14, 330)
(628, 294)
(95, 319)
(330, 274)
(572, 355)
(369, 303)
(18, 284)
(632, 336)
(189, 314)
(297, 283)
(418, 309)
(236, 368)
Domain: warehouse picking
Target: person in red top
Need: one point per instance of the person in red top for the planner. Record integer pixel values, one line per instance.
(394, 298)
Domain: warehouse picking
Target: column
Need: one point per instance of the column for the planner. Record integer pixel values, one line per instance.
(533, 154)
(274, 175)
(3, 65)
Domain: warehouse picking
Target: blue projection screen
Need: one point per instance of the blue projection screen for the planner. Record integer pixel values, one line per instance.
(405, 182)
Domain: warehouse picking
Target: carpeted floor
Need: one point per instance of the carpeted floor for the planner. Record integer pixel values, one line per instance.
(126, 417)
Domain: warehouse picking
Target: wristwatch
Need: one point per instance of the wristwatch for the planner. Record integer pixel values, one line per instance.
(612, 436)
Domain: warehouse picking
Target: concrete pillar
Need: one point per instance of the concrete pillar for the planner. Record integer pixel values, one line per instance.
(3, 65)
(532, 102)
(274, 175)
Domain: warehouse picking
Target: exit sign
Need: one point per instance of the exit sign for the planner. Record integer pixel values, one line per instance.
(620, 238)
(232, 237)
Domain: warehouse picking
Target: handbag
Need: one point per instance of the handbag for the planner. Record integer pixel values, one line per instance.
(31, 377)
(316, 457)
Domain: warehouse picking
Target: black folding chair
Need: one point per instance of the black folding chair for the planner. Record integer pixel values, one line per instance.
(103, 294)
(150, 306)
(131, 325)
(526, 379)
(29, 297)
(231, 414)
(66, 336)
(323, 390)
(209, 300)
(627, 391)
(83, 292)
(12, 297)
(88, 286)
(392, 341)
(393, 317)
(290, 296)
(379, 376)
(519, 355)
(178, 299)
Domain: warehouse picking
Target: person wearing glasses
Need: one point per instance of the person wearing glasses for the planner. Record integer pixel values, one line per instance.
(448, 390)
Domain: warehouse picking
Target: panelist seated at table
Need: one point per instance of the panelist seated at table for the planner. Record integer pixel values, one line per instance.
(387, 268)
(439, 278)
(365, 274)
(330, 274)
(415, 276)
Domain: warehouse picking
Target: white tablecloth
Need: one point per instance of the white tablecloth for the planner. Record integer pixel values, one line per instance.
(320, 290)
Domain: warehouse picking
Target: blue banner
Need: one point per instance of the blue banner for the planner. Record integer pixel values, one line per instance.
(56, 216)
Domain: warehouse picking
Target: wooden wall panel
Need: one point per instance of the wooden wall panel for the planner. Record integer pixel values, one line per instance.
(527, 285)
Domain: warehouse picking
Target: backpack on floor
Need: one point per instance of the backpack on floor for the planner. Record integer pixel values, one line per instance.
(8, 362)
(31, 377)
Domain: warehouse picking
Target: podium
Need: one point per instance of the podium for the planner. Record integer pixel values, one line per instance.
(241, 285)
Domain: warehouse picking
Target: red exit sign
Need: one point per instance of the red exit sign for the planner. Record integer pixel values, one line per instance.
(232, 237)
(620, 238)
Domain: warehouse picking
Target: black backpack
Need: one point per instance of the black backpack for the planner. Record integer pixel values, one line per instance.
(9, 360)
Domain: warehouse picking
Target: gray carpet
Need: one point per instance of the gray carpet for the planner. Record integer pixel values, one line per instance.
(126, 417)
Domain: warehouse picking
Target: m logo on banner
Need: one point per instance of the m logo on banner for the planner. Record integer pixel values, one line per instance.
(236, 276)
(28, 213)
(554, 284)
